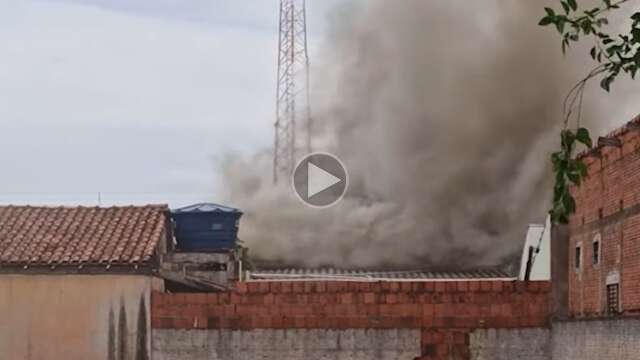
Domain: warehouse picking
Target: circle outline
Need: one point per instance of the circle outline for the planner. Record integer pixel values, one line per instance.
(346, 179)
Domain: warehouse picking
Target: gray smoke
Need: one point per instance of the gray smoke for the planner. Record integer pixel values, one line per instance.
(445, 113)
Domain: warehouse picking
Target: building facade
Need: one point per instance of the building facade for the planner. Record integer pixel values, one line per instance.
(604, 233)
(76, 282)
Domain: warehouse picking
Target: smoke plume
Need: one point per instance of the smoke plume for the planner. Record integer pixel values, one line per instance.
(445, 113)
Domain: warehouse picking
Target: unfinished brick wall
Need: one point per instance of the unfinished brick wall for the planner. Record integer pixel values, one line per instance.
(445, 311)
(608, 209)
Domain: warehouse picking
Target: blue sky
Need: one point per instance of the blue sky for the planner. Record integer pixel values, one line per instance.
(136, 99)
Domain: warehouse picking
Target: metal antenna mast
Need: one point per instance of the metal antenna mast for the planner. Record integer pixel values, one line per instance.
(292, 92)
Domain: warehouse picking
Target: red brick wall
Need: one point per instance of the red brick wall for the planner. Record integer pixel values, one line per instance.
(608, 205)
(446, 311)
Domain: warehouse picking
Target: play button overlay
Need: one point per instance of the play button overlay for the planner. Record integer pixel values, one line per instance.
(320, 180)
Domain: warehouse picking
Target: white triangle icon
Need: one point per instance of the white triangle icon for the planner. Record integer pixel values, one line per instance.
(319, 179)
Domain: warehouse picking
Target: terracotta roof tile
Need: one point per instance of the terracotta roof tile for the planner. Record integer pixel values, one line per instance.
(79, 235)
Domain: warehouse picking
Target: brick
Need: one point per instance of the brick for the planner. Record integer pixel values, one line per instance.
(347, 298)
(460, 338)
(508, 286)
(429, 286)
(486, 285)
(309, 286)
(286, 287)
(253, 287)
(223, 298)
(161, 322)
(182, 323)
(428, 310)
(298, 287)
(545, 286)
(235, 298)
(241, 287)
(364, 287)
(264, 287)
(269, 299)
(200, 322)
(277, 322)
(214, 322)
(275, 287)
(333, 286)
(391, 298)
(533, 286)
(369, 298)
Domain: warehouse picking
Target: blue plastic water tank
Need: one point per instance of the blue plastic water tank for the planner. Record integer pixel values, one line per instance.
(206, 227)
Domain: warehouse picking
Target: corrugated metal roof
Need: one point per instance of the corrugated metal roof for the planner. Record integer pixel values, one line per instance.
(205, 207)
(342, 274)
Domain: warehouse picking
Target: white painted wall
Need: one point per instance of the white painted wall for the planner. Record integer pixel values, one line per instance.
(541, 269)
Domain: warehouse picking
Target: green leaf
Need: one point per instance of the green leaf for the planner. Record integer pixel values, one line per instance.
(581, 167)
(563, 218)
(560, 25)
(573, 4)
(565, 6)
(593, 53)
(574, 178)
(582, 135)
(606, 82)
(550, 12)
(546, 21)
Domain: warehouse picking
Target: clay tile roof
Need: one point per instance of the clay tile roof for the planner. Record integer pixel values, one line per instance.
(37, 236)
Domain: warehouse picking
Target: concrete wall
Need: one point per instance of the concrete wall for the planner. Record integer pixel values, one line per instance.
(612, 339)
(508, 344)
(294, 344)
(75, 316)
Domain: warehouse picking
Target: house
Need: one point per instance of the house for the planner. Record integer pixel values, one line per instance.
(604, 234)
(75, 282)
